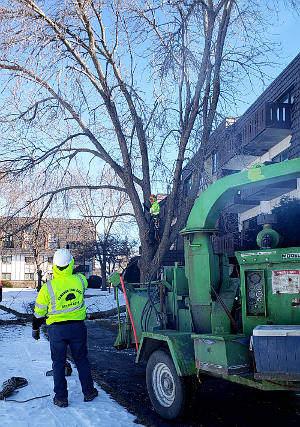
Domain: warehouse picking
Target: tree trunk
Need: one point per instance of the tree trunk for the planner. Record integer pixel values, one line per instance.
(39, 284)
(147, 264)
(103, 272)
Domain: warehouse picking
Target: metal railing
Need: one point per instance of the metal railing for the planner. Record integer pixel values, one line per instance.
(269, 115)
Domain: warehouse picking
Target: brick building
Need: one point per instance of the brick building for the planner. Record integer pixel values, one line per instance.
(26, 248)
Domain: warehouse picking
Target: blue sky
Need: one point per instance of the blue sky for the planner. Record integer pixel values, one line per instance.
(286, 31)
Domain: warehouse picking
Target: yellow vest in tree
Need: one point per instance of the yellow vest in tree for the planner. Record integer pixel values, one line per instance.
(155, 209)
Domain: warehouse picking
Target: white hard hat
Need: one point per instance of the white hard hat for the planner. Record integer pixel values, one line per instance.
(62, 257)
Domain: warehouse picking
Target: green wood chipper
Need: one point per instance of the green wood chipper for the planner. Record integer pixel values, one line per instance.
(196, 322)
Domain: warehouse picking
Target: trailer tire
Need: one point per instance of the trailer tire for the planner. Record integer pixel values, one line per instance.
(166, 388)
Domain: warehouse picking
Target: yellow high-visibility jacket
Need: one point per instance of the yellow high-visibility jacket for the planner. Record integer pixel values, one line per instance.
(155, 209)
(62, 298)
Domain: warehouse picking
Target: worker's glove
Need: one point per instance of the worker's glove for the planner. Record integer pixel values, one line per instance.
(36, 334)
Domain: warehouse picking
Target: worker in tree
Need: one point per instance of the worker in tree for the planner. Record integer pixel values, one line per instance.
(61, 301)
(154, 221)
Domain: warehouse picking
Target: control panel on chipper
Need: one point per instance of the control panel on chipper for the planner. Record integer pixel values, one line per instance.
(255, 293)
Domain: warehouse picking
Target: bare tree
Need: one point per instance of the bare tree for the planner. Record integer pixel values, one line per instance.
(39, 228)
(21, 220)
(109, 215)
(76, 81)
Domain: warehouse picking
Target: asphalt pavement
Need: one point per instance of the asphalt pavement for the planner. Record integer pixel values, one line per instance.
(222, 404)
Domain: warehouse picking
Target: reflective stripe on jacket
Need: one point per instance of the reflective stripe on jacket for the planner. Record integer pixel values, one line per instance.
(62, 298)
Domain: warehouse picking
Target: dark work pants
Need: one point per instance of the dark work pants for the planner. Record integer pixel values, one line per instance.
(75, 335)
(152, 231)
(152, 236)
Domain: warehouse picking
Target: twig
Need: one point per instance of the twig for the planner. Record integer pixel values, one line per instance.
(23, 401)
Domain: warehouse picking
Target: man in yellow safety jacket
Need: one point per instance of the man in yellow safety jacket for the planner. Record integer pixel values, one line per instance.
(154, 221)
(61, 301)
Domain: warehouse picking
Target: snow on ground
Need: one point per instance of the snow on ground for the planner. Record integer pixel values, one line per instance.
(22, 356)
(22, 301)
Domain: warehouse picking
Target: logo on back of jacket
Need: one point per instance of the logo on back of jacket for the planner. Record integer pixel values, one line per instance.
(70, 296)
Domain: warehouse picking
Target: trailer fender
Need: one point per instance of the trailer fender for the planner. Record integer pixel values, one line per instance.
(179, 344)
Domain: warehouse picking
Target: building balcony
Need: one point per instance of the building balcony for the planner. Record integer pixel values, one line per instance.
(237, 162)
(248, 199)
(267, 126)
(238, 205)
(226, 244)
(269, 192)
(82, 268)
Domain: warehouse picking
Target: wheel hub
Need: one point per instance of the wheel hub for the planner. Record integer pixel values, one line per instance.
(163, 385)
(167, 383)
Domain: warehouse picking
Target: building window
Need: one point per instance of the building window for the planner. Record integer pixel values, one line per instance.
(187, 186)
(215, 163)
(50, 276)
(73, 230)
(287, 98)
(29, 276)
(50, 260)
(6, 276)
(6, 260)
(71, 245)
(282, 157)
(29, 260)
(28, 238)
(53, 241)
(8, 242)
(81, 268)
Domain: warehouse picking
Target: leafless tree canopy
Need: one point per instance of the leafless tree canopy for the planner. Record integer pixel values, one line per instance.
(128, 84)
(110, 219)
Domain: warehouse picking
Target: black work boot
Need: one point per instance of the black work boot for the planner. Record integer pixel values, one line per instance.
(91, 396)
(60, 403)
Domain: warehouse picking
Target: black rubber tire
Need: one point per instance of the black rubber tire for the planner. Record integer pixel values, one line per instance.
(166, 389)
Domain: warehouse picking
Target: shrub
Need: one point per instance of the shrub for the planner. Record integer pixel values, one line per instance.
(6, 284)
(288, 221)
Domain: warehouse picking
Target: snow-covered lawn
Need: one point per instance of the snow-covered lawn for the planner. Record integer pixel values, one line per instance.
(22, 300)
(22, 356)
